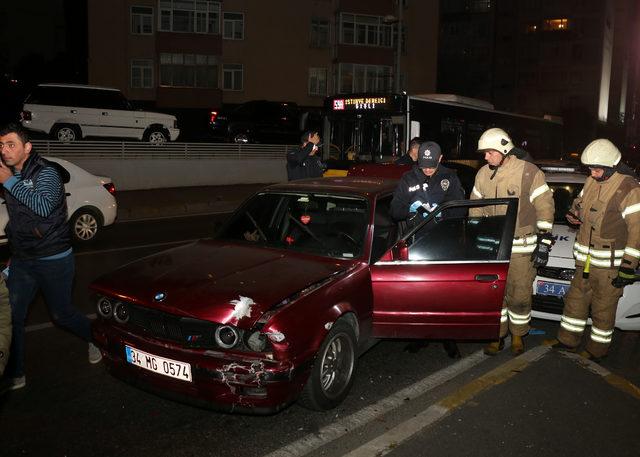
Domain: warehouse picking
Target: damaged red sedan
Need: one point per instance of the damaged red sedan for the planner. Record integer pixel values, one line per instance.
(299, 282)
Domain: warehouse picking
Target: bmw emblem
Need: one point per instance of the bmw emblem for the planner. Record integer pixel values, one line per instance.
(159, 296)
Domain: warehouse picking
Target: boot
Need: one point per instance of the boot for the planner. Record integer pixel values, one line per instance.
(494, 347)
(517, 345)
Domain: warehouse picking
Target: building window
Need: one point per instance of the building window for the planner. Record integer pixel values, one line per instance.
(188, 70)
(141, 20)
(233, 26)
(531, 28)
(364, 30)
(189, 16)
(232, 76)
(319, 33)
(556, 24)
(318, 81)
(141, 74)
(364, 78)
(479, 6)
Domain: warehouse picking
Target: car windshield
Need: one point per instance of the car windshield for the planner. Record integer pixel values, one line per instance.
(563, 196)
(315, 223)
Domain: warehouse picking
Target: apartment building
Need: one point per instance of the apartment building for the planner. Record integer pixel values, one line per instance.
(201, 54)
(569, 58)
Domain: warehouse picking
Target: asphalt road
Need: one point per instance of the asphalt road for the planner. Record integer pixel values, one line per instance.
(71, 408)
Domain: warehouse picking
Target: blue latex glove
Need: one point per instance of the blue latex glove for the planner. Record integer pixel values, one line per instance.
(414, 206)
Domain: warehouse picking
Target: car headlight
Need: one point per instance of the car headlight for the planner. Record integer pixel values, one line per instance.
(105, 307)
(226, 336)
(121, 312)
(257, 341)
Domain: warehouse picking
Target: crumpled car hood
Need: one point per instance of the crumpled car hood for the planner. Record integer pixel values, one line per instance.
(207, 280)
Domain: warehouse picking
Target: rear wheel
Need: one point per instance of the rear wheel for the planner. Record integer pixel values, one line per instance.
(65, 133)
(85, 225)
(333, 371)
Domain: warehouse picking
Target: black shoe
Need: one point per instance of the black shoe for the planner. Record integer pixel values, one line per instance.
(451, 348)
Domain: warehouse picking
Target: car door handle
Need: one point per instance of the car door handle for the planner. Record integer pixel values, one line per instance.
(486, 278)
(74, 111)
(105, 113)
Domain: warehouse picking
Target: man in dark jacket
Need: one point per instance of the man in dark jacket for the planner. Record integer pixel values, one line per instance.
(304, 162)
(40, 243)
(411, 157)
(424, 187)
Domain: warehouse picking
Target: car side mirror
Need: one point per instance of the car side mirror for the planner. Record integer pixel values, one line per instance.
(401, 250)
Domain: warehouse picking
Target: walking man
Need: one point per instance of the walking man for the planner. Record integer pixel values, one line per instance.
(39, 239)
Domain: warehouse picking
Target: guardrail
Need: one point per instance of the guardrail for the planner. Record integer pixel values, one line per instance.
(139, 150)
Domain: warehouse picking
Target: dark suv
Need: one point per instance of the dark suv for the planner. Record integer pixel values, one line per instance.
(259, 121)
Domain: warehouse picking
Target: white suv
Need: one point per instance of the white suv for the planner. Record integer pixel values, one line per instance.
(552, 282)
(68, 112)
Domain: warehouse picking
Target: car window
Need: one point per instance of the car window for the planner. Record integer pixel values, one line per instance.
(385, 230)
(106, 99)
(322, 224)
(563, 196)
(456, 237)
(55, 96)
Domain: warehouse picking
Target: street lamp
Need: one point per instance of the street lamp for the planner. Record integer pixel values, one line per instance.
(397, 20)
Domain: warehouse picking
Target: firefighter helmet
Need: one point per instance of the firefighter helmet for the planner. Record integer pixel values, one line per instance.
(496, 139)
(601, 153)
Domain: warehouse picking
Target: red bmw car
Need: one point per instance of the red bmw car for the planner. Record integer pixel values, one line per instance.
(300, 281)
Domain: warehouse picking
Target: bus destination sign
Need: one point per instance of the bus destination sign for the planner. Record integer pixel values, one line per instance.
(357, 104)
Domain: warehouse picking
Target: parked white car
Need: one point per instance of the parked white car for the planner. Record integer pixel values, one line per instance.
(91, 203)
(552, 282)
(69, 112)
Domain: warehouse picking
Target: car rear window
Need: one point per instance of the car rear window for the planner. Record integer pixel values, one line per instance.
(563, 196)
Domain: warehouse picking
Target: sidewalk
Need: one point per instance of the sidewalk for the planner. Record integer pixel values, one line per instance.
(134, 205)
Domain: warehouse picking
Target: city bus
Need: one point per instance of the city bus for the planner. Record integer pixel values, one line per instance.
(378, 127)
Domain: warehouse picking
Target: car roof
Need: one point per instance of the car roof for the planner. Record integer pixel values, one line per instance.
(572, 178)
(364, 186)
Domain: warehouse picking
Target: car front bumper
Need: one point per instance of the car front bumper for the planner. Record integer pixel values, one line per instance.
(224, 381)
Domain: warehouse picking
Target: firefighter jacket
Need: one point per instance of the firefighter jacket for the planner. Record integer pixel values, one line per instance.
(522, 179)
(610, 231)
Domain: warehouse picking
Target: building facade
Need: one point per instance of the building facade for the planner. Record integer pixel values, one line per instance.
(203, 54)
(567, 58)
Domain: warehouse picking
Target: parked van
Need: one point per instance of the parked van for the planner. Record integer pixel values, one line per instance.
(69, 112)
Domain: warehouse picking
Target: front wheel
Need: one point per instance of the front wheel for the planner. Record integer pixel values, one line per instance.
(333, 371)
(156, 136)
(85, 225)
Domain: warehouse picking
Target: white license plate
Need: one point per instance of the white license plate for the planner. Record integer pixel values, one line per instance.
(160, 365)
(554, 289)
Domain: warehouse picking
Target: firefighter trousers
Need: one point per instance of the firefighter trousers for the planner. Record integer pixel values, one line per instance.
(594, 293)
(516, 309)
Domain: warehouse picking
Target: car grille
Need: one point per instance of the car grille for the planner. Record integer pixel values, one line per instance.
(565, 274)
(187, 331)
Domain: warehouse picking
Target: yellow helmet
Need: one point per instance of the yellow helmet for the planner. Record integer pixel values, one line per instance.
(496, 139)
(601, 153)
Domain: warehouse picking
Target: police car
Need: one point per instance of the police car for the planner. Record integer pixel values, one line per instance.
(552, 281)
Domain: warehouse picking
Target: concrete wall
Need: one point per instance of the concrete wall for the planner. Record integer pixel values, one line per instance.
(133, 174)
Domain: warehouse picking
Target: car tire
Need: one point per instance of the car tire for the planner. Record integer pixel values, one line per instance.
(156, 135)
(86, 224)
(65, 133)
(333, 371)
(241, 138)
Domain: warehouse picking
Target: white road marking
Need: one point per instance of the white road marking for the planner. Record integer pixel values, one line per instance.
(356, 420)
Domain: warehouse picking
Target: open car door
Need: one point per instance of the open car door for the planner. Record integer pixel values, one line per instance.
(445, 278)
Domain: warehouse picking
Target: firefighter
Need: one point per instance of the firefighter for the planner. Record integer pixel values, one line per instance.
(607, 250)
(505, 175)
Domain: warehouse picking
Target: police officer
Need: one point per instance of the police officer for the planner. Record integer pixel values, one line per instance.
(607, 249)
(411, 157)
(425, 186)
(505, 175)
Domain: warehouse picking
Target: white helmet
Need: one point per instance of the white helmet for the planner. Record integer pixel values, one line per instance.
(496, 139)
(600, 153)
